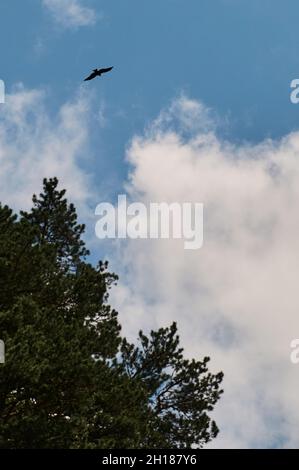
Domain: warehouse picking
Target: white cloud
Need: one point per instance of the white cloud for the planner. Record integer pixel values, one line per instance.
(71, 13)
(236, 299)
(35, 144)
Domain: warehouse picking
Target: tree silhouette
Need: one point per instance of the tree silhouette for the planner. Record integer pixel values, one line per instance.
(69, 379)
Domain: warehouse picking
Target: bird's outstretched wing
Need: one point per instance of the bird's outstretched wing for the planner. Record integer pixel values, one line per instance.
(91, 76)
(105, 70)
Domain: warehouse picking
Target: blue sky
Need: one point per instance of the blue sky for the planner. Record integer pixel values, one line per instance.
(216, 74)
(238, 57)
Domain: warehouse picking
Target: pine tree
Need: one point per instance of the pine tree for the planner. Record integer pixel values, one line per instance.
(70, 380)
(180, 392)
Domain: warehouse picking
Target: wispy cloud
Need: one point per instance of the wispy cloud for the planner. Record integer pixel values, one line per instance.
(71, 13)
(236, 299)
(34, 145)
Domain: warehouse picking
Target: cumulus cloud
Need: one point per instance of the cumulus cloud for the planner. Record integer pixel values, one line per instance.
(71, 13)
(236, 299)
(35, 144)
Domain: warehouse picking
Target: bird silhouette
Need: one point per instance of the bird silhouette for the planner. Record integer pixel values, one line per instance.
(97, 73)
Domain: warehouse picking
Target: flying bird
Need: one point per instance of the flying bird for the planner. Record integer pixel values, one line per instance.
(97, 73)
